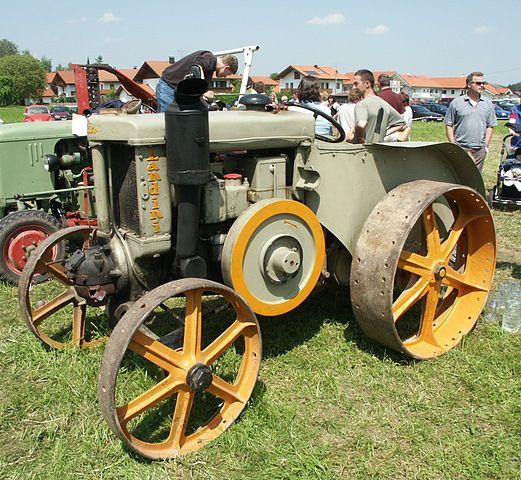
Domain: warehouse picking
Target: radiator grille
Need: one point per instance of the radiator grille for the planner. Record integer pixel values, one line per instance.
(123, 166)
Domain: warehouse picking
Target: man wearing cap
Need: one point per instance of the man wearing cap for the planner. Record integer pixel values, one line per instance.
(200, 64)
(470, 120)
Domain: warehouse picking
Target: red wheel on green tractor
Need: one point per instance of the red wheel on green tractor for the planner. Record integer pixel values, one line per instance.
(20, 234)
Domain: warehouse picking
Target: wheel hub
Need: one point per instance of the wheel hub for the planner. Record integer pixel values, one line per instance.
(22, 245)
(440, 272)
(281, 258)
(199, 377)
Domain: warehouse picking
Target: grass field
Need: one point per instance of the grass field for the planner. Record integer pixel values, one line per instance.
(328, 404)
(12, 114)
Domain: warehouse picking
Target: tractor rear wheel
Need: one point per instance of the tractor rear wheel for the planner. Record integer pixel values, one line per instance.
(174, 375)
(423, 267)
(20, 234)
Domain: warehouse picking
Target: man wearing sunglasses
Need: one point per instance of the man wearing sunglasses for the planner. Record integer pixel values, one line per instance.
(470, 120)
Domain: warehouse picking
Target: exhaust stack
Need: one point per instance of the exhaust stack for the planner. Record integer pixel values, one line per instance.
(188, 166)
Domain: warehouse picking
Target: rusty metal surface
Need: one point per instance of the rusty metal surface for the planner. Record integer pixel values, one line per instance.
(124, 336)
(378, 251)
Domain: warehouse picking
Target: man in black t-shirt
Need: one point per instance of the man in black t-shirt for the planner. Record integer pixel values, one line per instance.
(200, 64)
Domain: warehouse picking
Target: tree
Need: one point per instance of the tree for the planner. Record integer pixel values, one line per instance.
(98, 59)
(26, 73)
(46, 63)
(60, 67)
(515, 86)
(6, 90)
(7, 48)
(274, 76)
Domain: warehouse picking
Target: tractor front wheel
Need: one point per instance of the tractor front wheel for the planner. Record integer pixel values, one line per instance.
(20, 234)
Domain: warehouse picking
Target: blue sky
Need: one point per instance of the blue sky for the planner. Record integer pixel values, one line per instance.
(439, 38)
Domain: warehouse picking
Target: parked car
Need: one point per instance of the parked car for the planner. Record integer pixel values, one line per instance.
(72, 110)
(500, 113)
(508, 106)
(60, 112)
(436, 108)
(445, 101)
(37, 113)
(423, 114)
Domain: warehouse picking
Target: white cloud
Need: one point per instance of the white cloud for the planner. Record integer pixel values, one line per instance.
(482, 29)
(331, 19)
(75, 21)
(108, 18)
(377, 30)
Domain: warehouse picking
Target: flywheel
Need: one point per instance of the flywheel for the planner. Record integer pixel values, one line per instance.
(273, 255)
(423, 267)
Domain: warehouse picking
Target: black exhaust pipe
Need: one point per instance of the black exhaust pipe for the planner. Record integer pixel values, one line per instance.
(188, 165)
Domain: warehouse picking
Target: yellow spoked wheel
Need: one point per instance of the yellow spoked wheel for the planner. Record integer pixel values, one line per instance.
(52, 310)
(273, 255)
(169, 386)
(423, 267)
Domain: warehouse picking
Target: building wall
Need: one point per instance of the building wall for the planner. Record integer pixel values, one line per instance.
(289, 82)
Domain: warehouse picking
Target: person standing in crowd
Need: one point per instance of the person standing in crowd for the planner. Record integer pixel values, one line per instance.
(308, 93)
(470, 120)
(407, 114)
(374, 117)
(273, 98)
(200, 64)
(388, 95)
(346, 113)
(333, 105)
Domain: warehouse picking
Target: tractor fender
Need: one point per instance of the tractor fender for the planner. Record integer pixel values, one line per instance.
(351, 179)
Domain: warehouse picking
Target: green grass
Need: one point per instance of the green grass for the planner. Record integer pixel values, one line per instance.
(329, 403)
(12, 114)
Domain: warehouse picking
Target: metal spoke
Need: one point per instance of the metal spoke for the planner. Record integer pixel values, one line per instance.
(78, 324)
(222, 343)
(432, 235)
(462, 281)
(183, 407)
(448, 246)
(154, 351)
(414, 263)
(149, 399)
(56, 270)
(429, 312)
(409, 297)
(225, 391)
(193, 323)
(57, 303)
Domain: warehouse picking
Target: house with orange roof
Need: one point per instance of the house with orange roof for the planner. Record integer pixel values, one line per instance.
(331, 80)
(150, 72)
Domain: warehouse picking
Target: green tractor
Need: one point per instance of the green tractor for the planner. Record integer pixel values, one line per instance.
(45, 184)
(206, 220)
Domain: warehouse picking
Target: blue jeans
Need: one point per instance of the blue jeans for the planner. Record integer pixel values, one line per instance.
(164, 95)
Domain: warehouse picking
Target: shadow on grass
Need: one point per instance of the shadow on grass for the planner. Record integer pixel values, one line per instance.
(332, 304)
(515, 268)
(150, 425)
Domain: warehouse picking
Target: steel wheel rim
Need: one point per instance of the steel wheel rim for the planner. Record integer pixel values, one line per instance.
(177, 364)
(35, 316)
(451, 298)
(16, 242)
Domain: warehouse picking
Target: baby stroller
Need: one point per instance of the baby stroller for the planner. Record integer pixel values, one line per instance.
(506, 194)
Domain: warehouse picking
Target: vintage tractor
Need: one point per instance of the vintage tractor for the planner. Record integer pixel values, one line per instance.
(45, 184)
(188, 201)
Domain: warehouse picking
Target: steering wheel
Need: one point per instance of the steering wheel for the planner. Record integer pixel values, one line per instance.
(329, 118)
